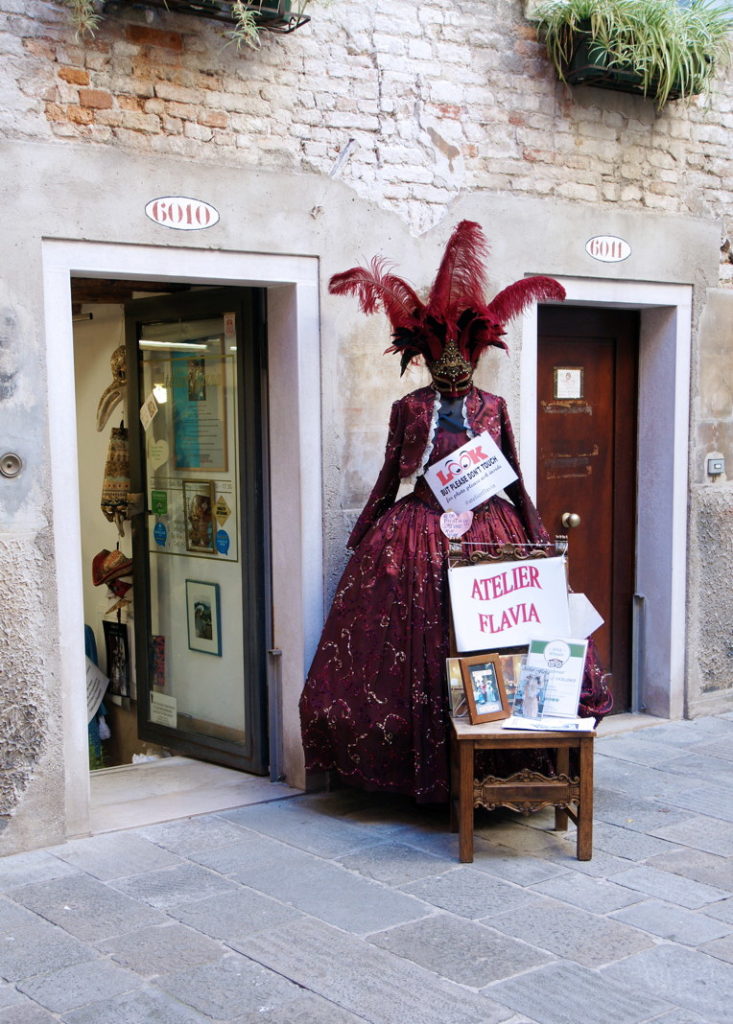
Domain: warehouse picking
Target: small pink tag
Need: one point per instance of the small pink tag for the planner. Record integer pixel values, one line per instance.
(455, 524)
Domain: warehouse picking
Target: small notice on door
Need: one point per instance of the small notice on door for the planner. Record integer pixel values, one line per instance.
(568, 382)
(163, 710)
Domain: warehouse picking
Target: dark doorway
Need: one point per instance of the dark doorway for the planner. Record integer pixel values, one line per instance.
(586, 465)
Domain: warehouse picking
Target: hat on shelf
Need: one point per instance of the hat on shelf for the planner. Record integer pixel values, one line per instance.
(109, 565)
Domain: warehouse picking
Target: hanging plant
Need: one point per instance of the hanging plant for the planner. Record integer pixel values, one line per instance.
(659, 48)
(247, 17)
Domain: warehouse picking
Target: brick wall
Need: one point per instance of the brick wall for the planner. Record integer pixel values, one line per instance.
(411, 104)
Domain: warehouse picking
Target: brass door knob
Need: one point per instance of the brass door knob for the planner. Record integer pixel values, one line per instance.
(570, 520)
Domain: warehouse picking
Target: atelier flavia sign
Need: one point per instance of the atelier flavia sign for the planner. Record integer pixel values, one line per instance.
(182, 213)
(608, 248)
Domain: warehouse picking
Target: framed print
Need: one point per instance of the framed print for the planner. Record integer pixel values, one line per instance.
(198, 504)
(118, 658)
(204, 622)
(568, 382)
(456, 694)
(484, 688)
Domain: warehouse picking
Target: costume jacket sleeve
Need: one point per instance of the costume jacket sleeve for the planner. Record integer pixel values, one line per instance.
(385, 489)
(516, 492)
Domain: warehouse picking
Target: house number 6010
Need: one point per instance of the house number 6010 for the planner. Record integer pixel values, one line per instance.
(182, 213)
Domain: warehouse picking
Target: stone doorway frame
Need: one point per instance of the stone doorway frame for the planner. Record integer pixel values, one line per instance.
(294, 382)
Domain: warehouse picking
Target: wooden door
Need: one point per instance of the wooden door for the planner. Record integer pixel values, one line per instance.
(586, 444)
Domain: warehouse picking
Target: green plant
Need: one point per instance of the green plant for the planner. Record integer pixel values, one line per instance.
(247, 16)
(673, 47)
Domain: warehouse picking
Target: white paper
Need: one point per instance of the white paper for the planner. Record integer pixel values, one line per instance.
(148, 411)
(470, 475)
(584, 618)
(549, 724)
(562, 662)
(97, 683)
(163, 710)
(506, 604)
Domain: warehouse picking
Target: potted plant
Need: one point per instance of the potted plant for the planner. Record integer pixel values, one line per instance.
(666, 49)
(247, 17)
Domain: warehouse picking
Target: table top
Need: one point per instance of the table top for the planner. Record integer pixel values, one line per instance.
(493, 730)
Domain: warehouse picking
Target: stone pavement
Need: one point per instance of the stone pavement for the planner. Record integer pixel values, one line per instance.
(343, 908)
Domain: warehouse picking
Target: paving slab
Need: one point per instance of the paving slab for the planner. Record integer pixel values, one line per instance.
(707, 868)
(670, 887)
(701, 833)
(639, 780)
(676, 924)
(723, 910)
(235, 916)
(85, 907)
(637, 748)
(366, 981)
(35, 866)
(251, 851)
(394, 863)
(306, 1008)
(720, 749)
(114, 855)
(512, 866)
(149, 1006)
(712, 800)
(229, 987)
(625, 842)
(722, 949)
(462, 951)
(571, 934)
(468, 892)
(639, 815)
(330, 892)
(30, 945)
(316, 832)
(162, 949)
(695, 763)
(180, 884)
(594, 894)
(685, 977)
(568, 994)
(690, 732)
(83, 983)
(27, 1013)
(183, 837)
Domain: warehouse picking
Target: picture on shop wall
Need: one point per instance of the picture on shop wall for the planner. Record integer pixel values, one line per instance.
(118, 658)
(198, 500)
(204, 623)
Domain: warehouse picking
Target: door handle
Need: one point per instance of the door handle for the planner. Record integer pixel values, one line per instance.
(570, 520)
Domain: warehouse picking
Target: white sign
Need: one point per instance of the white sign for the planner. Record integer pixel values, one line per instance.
(163, 710)
(182, 213)
(506, 604)
(470, 475)
(608, 248)
(564, 662)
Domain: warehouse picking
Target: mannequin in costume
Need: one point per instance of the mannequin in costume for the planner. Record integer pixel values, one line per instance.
(374, 707)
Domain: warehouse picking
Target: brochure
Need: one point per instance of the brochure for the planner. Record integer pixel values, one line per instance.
(550, 681)
(549, 724)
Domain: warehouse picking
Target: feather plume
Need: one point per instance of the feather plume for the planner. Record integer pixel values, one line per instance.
(377, 289)
(461, 278)
(514, 299)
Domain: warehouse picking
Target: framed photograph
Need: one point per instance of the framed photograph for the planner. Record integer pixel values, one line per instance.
(204, 621)
(457, 703)
(483, 685)
(198, 504)
(118, 658)
(529, 700)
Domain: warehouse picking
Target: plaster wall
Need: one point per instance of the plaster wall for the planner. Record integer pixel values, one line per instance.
(270, 213)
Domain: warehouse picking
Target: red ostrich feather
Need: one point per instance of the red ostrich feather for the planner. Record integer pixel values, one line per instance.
(375, 288)
(461, 279)
(515, 298)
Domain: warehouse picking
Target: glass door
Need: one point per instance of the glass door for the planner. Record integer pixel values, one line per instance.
(196, 373)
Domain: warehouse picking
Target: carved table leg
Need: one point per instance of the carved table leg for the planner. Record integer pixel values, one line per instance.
(465, 802)
(563, 768)
(585, 805)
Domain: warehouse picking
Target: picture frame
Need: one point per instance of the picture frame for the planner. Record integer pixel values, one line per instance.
(198, 510)
(457, 704)
(204, 617)
(117, 648)
(483, 685)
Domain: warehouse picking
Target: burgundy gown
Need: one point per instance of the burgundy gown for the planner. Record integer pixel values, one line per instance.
(374, 706)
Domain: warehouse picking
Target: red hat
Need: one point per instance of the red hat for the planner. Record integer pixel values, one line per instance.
(109, 565)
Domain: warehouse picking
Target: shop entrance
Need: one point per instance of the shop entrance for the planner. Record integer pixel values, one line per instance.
(185, 646)
(587, 391)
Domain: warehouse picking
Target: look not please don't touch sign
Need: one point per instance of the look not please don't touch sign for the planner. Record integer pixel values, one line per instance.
(506, 604)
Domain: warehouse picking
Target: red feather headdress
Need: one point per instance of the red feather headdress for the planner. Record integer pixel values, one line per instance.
(456, 307)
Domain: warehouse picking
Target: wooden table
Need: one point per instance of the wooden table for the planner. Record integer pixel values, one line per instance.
(526, 790)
